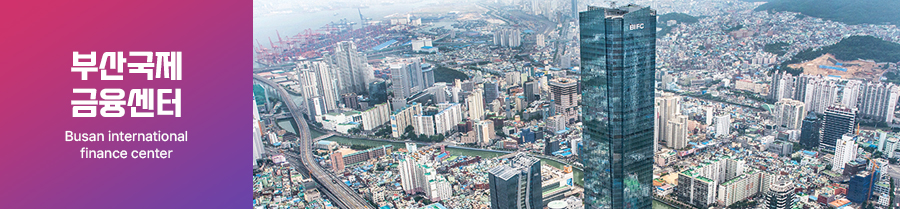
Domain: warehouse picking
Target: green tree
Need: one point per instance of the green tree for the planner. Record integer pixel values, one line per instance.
(354, 130)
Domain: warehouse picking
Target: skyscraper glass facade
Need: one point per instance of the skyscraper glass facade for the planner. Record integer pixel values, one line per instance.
(618, 58)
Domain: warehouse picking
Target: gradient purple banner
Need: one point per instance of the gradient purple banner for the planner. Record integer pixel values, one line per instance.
(42, 170)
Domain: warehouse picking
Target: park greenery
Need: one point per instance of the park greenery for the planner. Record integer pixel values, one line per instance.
(777, 48)
(680, 18)
(444, 74)
(851, 12)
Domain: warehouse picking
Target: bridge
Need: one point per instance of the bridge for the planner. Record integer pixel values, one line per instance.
(672, 202)
(323, 137)
(339, 193)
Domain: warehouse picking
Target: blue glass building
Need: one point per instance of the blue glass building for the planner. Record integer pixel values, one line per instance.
(516, 184)
(618, 58)
(861, 184)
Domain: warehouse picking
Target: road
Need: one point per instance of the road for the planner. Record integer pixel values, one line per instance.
(339, 193)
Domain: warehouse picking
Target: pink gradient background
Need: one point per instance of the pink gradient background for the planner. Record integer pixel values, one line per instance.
(41, 170)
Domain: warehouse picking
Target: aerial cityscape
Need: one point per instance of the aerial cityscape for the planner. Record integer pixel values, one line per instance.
(570, 104)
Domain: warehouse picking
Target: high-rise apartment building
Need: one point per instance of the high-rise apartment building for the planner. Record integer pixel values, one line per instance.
(677, 132)
(475, 105)
(790, 113)
(850, 93)
(699, 186)
(618, 60)
(404, 117)
(351, 66)
(877, 101)
(406, 77)
(782, 86)
(723, 125)
(820, 94)
(666, 109)
(508, 37)
(318, 85)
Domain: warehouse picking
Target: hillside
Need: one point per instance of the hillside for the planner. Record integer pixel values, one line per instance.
(847, 11)
(680, 18)
(852, 48)
(444, 74)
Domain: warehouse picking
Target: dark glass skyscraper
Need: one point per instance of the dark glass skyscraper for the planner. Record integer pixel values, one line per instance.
(839, 120)
(516, 184)
(618, 58)
(809, 131)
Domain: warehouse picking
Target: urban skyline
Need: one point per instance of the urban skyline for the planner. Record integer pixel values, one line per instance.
(573, 104)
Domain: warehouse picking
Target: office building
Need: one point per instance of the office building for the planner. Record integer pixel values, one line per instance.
(780, 194)
(377, 92)
(809, 132)
(838, 121)
(861, 186)
(529, 91)
(351, 66)
(618, 60)
(845, 151)
(789, 113)
(564, 93)
(491, 91)
(516, 184)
